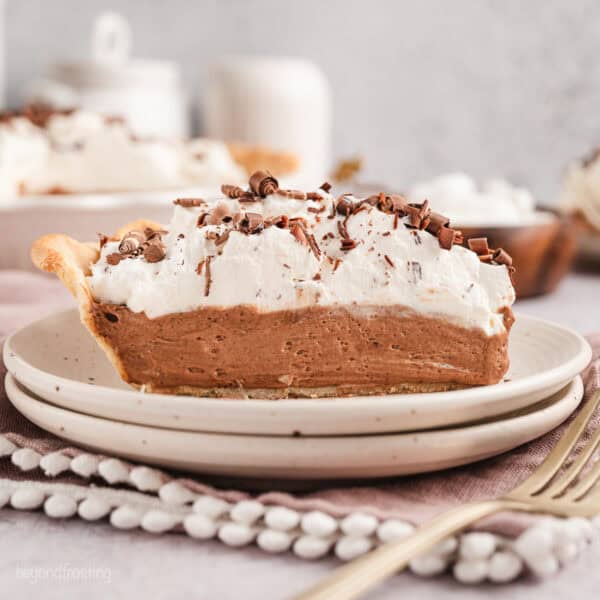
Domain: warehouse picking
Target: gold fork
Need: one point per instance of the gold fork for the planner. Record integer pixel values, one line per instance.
(545, 491)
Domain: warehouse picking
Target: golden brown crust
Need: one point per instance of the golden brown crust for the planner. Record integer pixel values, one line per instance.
(256, 158)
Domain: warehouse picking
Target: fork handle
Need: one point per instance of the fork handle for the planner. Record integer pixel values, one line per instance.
(351, 580)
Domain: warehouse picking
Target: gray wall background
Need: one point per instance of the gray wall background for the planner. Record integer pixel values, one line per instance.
(506, 88)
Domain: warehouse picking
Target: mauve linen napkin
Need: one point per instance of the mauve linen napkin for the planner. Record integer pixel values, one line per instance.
(25, 297)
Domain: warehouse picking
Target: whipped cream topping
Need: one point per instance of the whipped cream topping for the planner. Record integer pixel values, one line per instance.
(457, 196)
(82, 151)
(581, 189)
(274, 270)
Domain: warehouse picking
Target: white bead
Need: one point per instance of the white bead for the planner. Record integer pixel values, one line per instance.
(6, 446)
(158, 521)
(535, 541)
(566, 552)
(200, 526)
(4, 497)
(477, 545)
(85, 465)
(26, 459)
(146, 479)
(113, 470)
(310, 546)
(428, 565)
(211, 507)
(350, 547)
(125, 517)
(471, 571)
(175, 493)
(54, 463)
(93, 508)
(359, 524)
(247, 512)
(60, 506)
(281, 518)
(582, 526)
(318, 524)
(543, 565)
(272, 540)
(27, 498)
(446, 547)
(504, 567)
(394, 529)
(236, 534)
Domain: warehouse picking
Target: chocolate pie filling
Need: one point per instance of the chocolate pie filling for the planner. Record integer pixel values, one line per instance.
(352, 350)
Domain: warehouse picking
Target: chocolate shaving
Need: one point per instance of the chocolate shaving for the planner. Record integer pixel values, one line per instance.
(326, 187)
(208, 276)
(202, 219)
(479, 245)
(299, 233)
(114, 258)
(222, 238)
(251, 223)
(436, 222)
(446, 237)
(262, 183)
(292, 194)
(221, 213)
(232, 191)
(200, 267)
(501, 257)
(415, 271)
(315, 210)
(313, 245)
(314, 196)
(389, 261)
(282, 221)
(348, 244)
(337, 263)
(154, 251)
(131, 242)
(344, 205)
(189, 202)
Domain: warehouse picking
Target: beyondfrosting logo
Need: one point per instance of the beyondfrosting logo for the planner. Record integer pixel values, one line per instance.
(64, 573)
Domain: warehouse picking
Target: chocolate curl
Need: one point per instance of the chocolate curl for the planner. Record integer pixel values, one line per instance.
(447, 237)
(251, 223)
(131, 242)
(189, 202)
(232, 191)
(314, 196)
(501, 257)
(154, 251)
(344, 206)
(221, 213)
(437, 222)
(392, 204)
(262, 183)
(298, 232)
(292, 194)
(479, 246)
(326, 187)
(282, 221)
(419, 214)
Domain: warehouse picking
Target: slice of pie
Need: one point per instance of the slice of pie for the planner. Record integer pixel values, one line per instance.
(271, 293)
(45, 151)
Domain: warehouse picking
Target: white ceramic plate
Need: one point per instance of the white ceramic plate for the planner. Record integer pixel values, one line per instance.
(58, 360)
(343, 457)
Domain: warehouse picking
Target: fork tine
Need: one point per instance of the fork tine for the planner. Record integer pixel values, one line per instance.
(584, 485)
(555, 460)
(562, 483)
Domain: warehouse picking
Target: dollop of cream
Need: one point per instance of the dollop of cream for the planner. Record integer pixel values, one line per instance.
(272, 270)
(85, 152)
(581, 190)
(495, 202)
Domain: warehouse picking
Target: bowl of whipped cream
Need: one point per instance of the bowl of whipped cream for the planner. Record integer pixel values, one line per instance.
(541, 241)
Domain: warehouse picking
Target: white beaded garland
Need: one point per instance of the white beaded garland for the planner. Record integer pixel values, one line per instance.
(211, 507)
(113, 470)
(543, 565)
(158, 521)
(236, 534)
(312, 547)
(27, 498)
(318, 523)
(6, 446)
(146, 479)
(535, 541)
(85, 465)
(428, 565)
(471, 571)
(26, 459)
(350, 547)
(504, 567)
(281, 518)
(247, 512)
(359, 524)
(477, 545)
(175, 493)
(93, 508)
(125, 517)
(60, 506)
(200, 526)
(394, 529)
(54, 463)
(274, 541)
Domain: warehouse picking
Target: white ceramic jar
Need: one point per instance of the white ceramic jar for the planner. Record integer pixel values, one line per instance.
(282, 103)
(147, 93)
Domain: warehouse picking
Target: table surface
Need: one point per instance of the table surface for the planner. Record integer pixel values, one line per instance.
(138, 564)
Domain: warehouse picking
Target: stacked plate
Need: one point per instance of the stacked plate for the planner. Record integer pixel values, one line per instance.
(60, 379)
